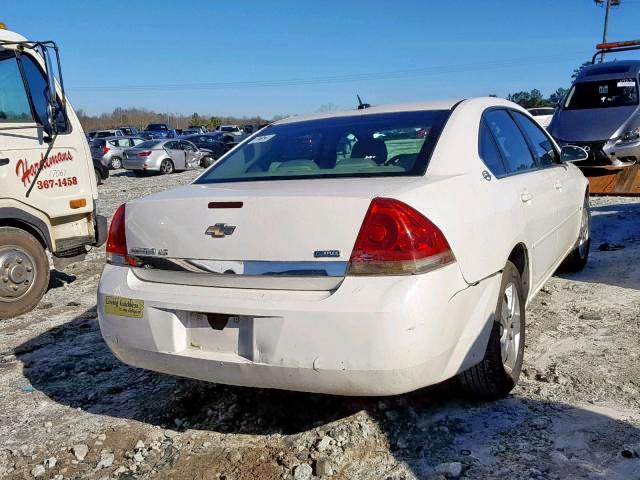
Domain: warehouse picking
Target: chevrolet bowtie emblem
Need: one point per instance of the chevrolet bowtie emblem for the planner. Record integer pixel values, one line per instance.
(220, 230)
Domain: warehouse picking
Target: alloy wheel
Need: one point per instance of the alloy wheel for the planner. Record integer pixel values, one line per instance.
(510, 327)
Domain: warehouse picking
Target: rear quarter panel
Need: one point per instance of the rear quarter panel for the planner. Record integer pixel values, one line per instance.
(478, 217)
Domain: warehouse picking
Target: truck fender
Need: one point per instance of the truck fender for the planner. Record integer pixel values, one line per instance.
(15, 217)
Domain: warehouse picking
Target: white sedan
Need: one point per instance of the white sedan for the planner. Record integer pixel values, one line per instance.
(367, 252)
(543, 115)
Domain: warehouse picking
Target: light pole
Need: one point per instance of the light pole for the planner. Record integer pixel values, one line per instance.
(608, 5)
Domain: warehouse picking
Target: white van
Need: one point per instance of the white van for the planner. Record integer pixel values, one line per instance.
(48, 188)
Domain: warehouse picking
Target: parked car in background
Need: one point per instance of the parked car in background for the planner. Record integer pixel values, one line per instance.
(232, 129)
(100, 170)
(165, 156)
(543, 115)
(404, 262)
(110, 151)
(130, 131)
(158, 130)
(217, 142)
(197, 129)
(601, 114)
(248, 129)
(104, 134)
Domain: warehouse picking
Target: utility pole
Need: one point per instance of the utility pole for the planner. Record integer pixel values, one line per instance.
(609, 4)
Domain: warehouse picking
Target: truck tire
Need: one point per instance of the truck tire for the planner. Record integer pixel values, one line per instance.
(498, 372)
(24, 272)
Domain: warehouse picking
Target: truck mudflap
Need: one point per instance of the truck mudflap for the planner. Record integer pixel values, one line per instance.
(101, 230)
(622, 181)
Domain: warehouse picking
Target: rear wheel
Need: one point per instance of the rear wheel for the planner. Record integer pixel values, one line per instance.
(98, 176)
(24, 272)
(498, 372)
(116, 163)
(578, 257)
(166, 167)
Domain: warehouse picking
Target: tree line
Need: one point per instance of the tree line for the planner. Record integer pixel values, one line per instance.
(140, 118)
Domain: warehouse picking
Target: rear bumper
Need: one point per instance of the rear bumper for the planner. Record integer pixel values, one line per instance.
(141, 166)
(371, 336)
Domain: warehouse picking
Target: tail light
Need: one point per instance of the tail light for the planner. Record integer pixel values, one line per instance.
(105, 150)
(146, 153)
(396, 239)
(117, 240)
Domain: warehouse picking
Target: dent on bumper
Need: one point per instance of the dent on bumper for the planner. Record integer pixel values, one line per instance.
(372, 336)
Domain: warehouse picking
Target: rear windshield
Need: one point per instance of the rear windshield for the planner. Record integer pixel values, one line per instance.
(156, 127)
(389, 144)
(603, 94)
(148, 144)
(98, 143)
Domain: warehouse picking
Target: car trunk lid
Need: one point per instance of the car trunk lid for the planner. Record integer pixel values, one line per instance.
(239, 235)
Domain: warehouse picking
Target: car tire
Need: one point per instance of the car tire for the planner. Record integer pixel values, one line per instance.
(26, 279)
(115, 163)
(577, 259)
(166, 167)
(498, 372)
(207, 161)
(98, 176)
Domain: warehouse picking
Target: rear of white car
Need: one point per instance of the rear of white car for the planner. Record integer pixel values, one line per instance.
(316, 256)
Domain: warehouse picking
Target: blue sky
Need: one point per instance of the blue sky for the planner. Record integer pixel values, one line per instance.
(264, 58)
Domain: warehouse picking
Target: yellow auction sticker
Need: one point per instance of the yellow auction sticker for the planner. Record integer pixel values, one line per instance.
(124, 307)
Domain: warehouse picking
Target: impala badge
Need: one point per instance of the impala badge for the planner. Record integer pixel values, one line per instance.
(220, 230)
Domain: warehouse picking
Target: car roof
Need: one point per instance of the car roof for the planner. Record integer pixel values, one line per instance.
(402, 107)
(609, 70)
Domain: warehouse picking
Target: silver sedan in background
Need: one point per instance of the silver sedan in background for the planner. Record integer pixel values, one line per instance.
(165, 156)
(110, 151)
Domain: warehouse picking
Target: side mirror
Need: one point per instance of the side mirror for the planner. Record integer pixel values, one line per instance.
(50, 93)
(572, 153)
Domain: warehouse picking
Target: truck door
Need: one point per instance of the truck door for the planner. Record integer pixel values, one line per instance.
(66, 184)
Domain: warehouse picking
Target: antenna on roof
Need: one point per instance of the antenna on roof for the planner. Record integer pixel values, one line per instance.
(362, 106)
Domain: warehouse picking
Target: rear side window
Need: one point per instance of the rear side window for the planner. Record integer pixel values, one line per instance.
(511, 143)
(541, 144)
(489, 151)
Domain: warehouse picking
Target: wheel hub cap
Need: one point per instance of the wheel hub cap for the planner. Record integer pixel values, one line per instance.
(510, 327)
(17, 272)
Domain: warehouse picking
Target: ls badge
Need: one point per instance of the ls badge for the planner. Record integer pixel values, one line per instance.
(220, 230)
(326, 253)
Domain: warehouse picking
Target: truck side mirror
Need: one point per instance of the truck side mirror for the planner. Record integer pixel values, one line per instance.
(54, 105)
(572, 153)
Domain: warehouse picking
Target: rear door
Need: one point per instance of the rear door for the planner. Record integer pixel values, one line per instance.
(529, 186)
(566, 209)
(176, 154)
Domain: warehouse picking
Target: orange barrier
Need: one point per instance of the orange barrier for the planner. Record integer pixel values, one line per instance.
(622, 181)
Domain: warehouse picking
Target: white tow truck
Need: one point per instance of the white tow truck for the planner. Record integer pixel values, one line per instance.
(48, 187)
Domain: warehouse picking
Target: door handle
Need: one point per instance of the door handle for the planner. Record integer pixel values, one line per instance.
(558, 185)
(4, 161)
(526, 197)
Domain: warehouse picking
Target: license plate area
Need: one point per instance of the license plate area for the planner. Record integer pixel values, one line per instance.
(220, 333)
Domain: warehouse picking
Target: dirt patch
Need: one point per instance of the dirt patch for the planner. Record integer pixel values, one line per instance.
(575, 413)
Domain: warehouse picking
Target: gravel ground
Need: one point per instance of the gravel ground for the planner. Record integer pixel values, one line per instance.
(70, 409)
